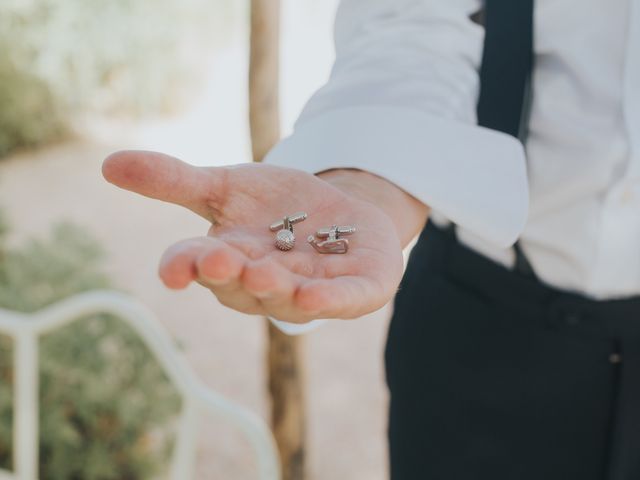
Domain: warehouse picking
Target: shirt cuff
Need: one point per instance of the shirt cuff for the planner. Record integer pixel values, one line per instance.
(474, 176)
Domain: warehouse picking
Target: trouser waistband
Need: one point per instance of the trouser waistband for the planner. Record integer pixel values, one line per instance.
(534, 300)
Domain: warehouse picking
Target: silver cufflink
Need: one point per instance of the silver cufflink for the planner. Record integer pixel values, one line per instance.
(332, 243)
(285, 239)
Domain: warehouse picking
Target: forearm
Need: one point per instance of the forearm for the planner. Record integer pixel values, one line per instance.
(407, 213)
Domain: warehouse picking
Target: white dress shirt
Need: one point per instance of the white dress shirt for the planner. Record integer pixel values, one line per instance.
(401, 103)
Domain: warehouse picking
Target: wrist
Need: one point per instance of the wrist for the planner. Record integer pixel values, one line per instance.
(406, 212)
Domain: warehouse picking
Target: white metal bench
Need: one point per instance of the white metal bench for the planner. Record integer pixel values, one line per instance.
(197, 399)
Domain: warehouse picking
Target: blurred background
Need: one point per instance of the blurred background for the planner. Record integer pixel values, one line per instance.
(78, 80)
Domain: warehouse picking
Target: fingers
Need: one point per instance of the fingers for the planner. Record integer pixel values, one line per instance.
(269, 281)
(219, 264)
(265, 286)
(203, 258)
(166, 178)
(340, 297)
(219, 269)
(176, 268)
(237, 281)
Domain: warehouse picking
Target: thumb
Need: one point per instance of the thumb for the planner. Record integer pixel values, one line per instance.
(166, 178)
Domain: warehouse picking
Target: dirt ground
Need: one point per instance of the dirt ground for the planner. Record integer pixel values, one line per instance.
(346, 396)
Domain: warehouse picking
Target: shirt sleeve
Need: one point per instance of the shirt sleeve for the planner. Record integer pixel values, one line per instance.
(401, 102)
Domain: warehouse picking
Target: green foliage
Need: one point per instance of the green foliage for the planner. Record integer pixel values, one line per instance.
(6, 373)
(47, 270)
(29, 114)
(6, 392)
(4, 230)
(106, 406)
(107, 54)
(100, 56)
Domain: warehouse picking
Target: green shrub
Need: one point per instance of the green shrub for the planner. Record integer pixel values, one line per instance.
(106, 406)
(6, 392)
(29, 114)
(102, 57)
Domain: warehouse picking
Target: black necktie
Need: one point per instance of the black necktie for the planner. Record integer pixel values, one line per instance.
(505, 86)
(507, 63)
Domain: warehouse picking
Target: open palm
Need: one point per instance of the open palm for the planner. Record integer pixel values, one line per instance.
(237, 259)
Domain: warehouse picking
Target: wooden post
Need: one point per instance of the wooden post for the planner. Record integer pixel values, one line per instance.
(284, 353)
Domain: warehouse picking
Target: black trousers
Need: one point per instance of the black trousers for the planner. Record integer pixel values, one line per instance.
(496, 376)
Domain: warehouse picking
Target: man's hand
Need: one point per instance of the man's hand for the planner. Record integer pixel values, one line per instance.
(237, 259)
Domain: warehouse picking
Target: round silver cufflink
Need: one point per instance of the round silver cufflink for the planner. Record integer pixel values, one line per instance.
(285, 238)
(332, 243)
